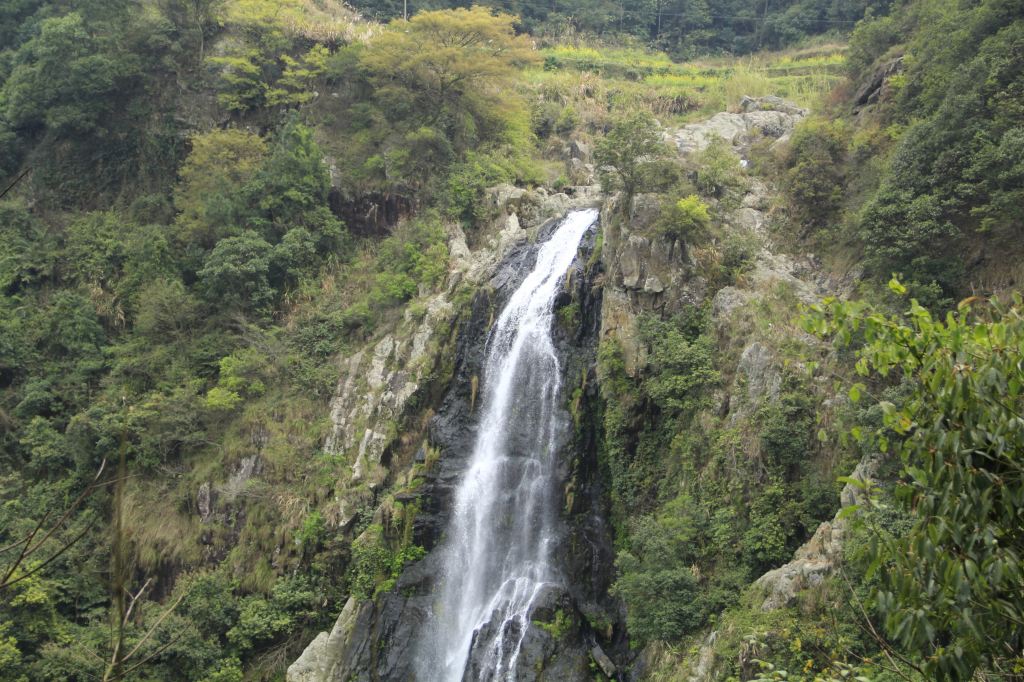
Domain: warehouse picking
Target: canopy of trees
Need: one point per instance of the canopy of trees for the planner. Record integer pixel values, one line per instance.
(681, 27)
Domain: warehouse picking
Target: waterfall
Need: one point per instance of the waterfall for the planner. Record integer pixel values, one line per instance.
(496, 555)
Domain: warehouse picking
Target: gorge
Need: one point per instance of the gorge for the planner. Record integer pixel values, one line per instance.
(579, 341)
(499, 550)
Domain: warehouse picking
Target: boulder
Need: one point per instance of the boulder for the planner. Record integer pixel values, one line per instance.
(811, 564)
(726, 300)
(603, 662)
(762, 116)
(309, 667)
(204, 501)
(771, 103)
(757, 366)
(504, 197)
(579, 150)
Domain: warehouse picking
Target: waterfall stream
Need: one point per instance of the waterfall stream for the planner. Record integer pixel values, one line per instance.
(496, 555)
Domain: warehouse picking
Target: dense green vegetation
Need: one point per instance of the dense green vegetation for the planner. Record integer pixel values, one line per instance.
(169, 276)
(930, 172)
(682, 28)
(178, 282)
(950, 587)
(917, 182)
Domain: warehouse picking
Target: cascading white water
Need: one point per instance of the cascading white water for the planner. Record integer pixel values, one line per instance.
(496, 554)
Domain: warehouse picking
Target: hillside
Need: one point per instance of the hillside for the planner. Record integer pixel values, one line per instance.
(255, 254)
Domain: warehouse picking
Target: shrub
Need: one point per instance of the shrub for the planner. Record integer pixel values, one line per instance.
(631, 156)
(814, 175)
(718, 169)
(684, 220)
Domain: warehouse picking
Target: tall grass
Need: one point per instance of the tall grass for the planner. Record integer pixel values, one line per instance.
(682, 92)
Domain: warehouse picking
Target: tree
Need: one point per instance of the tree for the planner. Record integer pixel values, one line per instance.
(952, 588)
(449, 70)
(236, 273)
(291, 188)
(718, 169)
(208, 195)
(296, 84)
(631, 156)
(65, 79)
(684, 219)
(194, 18)
(814, 175)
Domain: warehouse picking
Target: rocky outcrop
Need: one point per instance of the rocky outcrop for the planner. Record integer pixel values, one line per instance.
(636, 271)
(372, 640)
(748, 340)
(759, 370)
(759, 117)
(818, 557)
(644, 272)
(873, 89)
(377, 383)
(649, 273)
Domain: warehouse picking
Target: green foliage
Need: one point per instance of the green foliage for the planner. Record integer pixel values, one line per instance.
(950, 588)
(300, 77)
(374, 568)
(236, 273)
(633, 157)
(219, 166)
(23, 258)
(165, 309)
(658, 580)
(438, 64)
(312, 531)
(227, 670)
(242, 81)
(435, 94)
(290, 189)
(681, 368)
(234, 194)
(718, 169)
(292, 600)
(683, 27)
(703, 504)
(417, 255)
(952, 179)
(786, 427)
(560, 626)
(463, 194)
(871, 39)
(209, 602)
(78, 103)
(65, 79)
(259, 73)
(814, 171)
(835, 672)
(684, 220)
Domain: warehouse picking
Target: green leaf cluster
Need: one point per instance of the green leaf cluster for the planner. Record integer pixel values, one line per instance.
(950, 588)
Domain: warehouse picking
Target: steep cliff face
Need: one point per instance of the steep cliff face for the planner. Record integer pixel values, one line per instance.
(372, 638)
(759, 355)
(623, 272)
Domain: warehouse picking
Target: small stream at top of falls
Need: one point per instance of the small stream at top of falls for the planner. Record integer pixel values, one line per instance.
(497, 553)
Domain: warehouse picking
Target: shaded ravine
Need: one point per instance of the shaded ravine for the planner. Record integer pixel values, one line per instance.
(496, 556)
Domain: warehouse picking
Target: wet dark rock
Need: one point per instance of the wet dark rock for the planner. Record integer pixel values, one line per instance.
(374, 640)
(872, 89)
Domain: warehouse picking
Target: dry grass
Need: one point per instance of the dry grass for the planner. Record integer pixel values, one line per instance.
(159, 530)
(594, 80)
